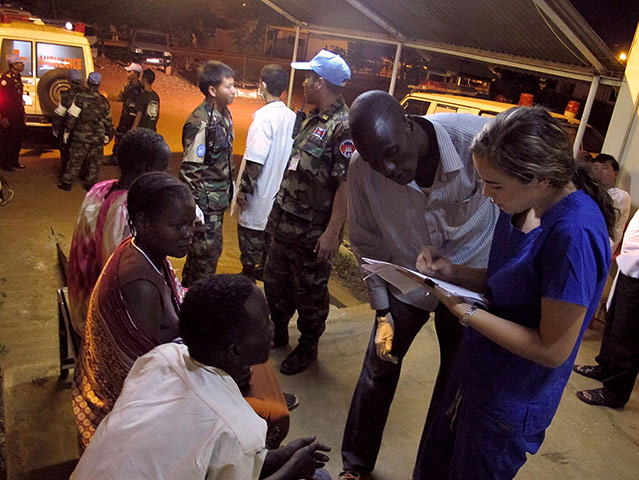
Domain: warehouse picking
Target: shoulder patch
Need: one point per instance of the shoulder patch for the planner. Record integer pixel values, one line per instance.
(200, 150)
(319, 132)
(347, 147)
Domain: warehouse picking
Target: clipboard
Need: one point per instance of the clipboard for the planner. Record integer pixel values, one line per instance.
(407, 280)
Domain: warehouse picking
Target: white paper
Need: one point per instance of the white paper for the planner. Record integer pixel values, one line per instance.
(391, 273)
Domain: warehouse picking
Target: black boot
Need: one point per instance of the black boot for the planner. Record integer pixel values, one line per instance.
(300, 358)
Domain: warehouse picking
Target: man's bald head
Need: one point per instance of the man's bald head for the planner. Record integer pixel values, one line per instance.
(383, 135)
(374, 119)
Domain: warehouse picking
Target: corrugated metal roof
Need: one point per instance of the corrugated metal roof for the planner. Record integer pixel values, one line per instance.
(533, 33)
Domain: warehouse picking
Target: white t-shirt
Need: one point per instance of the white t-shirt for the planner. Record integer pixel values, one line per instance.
(269, 143)
(176, 419)
(621, 200)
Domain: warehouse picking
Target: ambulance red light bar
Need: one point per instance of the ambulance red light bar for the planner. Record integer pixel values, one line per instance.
(79, 27)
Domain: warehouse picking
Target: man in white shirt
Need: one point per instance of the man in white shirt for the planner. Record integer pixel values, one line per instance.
(181, 415)
(618, 360)
(606, 168)
(268, 147)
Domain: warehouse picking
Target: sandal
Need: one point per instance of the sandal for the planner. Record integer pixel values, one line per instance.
(598, 397)
(591, 371)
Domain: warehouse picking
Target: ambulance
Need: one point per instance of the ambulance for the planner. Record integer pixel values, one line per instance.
(47, 52)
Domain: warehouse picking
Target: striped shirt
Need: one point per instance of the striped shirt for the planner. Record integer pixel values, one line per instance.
(391, 222)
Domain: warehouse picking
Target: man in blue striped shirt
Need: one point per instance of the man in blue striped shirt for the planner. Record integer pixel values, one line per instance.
(411, 183)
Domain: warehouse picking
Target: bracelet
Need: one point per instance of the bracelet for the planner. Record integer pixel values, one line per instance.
(465, 319)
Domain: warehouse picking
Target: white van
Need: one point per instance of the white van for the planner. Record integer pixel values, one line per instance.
(48, 52)
(418, 103)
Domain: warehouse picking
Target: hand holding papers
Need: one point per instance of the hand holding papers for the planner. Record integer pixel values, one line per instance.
(407, 280)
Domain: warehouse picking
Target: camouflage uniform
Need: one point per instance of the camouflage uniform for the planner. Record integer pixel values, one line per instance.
(128, 96)
(89, 125)
(293, 278)
(253, 249)
(57, 122)
(11, 108)
(207, 168)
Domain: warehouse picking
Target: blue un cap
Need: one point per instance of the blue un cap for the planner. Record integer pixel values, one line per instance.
(328, 65)
(75, 76)
(95, 78)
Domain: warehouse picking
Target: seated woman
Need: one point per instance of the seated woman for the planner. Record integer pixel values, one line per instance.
(547, 268)
(135, 304)
(103, 219)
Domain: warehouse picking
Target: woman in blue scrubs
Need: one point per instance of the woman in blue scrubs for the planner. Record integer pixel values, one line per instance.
(547, 268)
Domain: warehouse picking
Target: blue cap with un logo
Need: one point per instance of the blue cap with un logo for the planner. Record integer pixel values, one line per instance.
(327, 65)
(75, 76)
(95, 78)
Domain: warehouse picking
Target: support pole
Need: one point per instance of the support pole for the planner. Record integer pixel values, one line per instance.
(398, 54)
(289, 98)
(586, 114)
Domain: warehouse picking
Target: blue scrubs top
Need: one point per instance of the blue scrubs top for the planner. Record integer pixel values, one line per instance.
(566, 258)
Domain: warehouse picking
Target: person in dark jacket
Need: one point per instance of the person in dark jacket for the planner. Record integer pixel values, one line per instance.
(12, 116)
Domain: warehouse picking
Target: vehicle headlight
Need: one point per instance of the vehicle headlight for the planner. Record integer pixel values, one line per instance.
(167, 54)
(137, 50)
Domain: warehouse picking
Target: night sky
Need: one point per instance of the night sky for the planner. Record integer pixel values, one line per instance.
(615, 21)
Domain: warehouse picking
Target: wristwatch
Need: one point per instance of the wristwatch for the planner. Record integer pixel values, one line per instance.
(465, 319)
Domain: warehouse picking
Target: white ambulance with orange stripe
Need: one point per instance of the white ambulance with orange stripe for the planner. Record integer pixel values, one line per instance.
(48, 52)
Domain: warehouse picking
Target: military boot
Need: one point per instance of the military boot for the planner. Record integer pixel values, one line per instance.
(300, 358)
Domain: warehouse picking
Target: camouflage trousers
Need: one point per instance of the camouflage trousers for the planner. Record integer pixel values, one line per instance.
(295, 280)
(253, 250)
(205, 249)
(84, 158)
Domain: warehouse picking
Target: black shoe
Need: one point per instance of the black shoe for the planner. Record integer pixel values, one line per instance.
(598, 397)
(64, 186)
(349, 475)
(299, 359)
(591, 371)
(19, 165)
(291, 401)
(280, 339)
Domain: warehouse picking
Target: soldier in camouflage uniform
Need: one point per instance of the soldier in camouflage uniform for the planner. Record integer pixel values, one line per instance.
(59, 115)
(87, 128)
(309, 213)
(12, 117)
(207, 167)
(128, 96)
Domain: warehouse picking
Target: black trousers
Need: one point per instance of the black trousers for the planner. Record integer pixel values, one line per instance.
(619, 353)
(378, 380)
(11, 142)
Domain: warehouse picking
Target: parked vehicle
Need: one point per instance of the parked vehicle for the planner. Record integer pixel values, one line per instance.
(48, 52)
(151, 47)
(419, 103)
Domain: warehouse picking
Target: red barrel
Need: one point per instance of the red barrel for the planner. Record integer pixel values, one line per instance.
(526, 100)
(572, 109)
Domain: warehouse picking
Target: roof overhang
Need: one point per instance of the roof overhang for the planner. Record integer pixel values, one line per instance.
(548, 37)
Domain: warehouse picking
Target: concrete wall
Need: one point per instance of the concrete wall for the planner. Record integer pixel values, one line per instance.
(622, 138)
